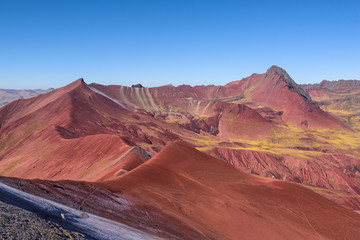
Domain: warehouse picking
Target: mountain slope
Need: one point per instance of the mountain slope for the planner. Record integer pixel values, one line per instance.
(275, 89)
(97, 133)
(176, 182)
(38, 134)
(265, 115)
(182, 193)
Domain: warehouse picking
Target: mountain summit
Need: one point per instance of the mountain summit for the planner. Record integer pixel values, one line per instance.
(284, 76)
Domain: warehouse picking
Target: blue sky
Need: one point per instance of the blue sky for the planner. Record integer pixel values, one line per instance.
(51, 43)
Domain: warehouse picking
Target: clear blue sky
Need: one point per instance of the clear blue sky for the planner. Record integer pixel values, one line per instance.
(51, 43)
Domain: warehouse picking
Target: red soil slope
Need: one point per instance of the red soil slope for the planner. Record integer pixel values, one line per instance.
(194, 108)
(59, 135)
(182, 193)
(128, 161)
(275, 90)
(221, 202)
(79, 133)
(255, 108)
(332, 174)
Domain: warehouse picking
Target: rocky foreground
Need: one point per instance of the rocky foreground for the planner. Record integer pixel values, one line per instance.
(17, 223)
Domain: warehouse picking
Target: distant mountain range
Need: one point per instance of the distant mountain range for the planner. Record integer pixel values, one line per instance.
(205, 162)
(341, 98)
(9, 95)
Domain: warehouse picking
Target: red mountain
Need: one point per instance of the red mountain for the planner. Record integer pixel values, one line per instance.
(265, 124)
(182, 193)
(274, 90)
(291, 137)
(59, 135)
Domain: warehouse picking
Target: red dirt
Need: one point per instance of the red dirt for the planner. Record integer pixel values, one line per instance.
(278, 91)
(127, 162)
(333, 174)
(223, 203)
(183, 193)
(78, 134)
(59, 135)
(274, 89)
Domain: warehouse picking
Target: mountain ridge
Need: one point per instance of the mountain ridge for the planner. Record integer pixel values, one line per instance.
(82, 132)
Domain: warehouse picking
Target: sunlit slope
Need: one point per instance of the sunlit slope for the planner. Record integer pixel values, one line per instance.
(182, 193)
(264, 124)
(325, 159)
(70, 133)
(220, 202)
(275, 91)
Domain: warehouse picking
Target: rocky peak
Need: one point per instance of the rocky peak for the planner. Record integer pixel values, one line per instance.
(137, 86)
(284, 76)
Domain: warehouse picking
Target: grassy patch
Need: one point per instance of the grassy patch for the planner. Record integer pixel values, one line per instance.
(22, 132)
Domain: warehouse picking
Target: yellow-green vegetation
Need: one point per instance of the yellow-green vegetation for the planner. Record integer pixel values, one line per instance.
(249, 90)
(331, 193)
(91, 169)
(343, 105)
(200, 116)
(291, 141)
(344, 141)
(177, 120)
(9, 166)
(202, 141)
(22, 132)
(41, 151)
(306, 143)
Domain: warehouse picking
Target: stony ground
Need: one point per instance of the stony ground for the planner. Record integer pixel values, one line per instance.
(17, 223)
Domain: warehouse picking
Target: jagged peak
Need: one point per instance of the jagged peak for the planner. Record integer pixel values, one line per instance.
(80, 81)
(276, 69)
(75, 84)
(285, 77)
(281, 72)
(137, 86)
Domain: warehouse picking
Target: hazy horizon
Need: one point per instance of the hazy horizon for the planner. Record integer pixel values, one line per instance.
(134, 83)
(48, 44)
